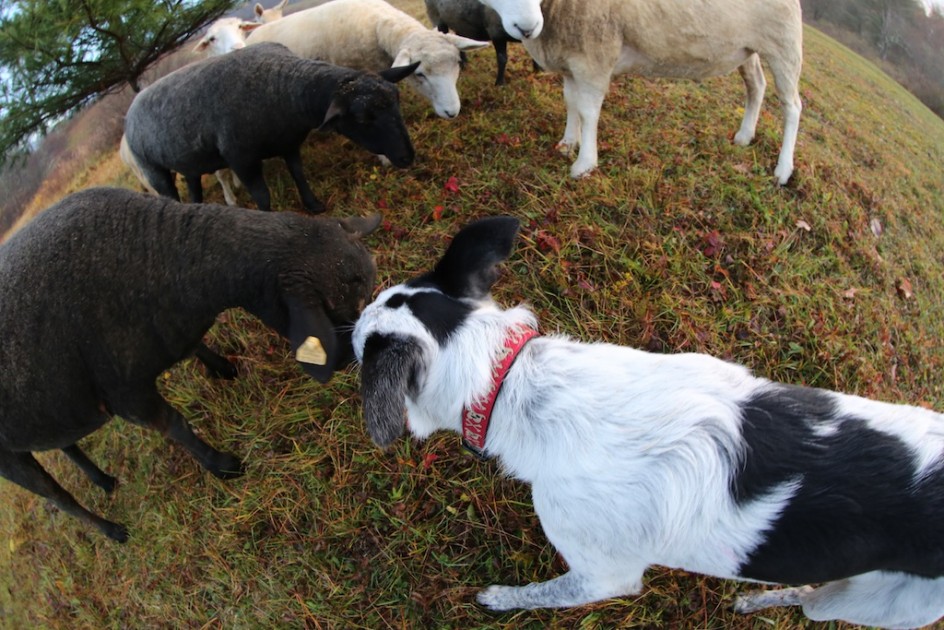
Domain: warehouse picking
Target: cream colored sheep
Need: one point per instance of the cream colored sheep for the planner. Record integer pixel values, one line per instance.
(264, 15)
(373, 35)
(590, 41)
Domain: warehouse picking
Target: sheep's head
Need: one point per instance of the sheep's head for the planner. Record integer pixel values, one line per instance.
(224, 35)
(522, 19)
(325, 282)
(440, 57)
(264, 16)
(366, 109)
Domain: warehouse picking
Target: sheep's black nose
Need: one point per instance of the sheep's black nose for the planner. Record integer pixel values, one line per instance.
(524, 33)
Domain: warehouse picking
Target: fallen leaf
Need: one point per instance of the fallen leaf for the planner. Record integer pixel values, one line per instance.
(849, 294)
(712, 243)
(546, 242)
(876, 226)
(903, 286)
(803, 225)
(452, 185)
(437, 213)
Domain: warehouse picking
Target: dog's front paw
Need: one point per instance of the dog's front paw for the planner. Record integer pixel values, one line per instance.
(497, 597)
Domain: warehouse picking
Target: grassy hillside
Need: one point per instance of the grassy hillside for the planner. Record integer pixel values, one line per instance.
(680, 242)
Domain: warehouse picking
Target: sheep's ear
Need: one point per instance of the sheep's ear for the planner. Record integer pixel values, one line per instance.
(360, 226)
(259, 10)
(248, 27)
(202, 45)
(335, 109)
(313, 340)
(464, 43)
(469, 267)
(399, 71)
(390, 366)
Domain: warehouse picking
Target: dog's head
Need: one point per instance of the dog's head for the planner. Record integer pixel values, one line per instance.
(398, 335)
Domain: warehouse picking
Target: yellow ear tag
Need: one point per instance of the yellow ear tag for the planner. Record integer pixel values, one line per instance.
(311, 352)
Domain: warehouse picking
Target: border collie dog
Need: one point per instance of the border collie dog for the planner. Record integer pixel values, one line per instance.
(679, 460)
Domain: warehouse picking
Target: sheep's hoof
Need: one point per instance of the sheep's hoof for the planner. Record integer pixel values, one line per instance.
(107, 483)
(224, 370)
(315, 208)
(783, 173)
(118, 533)
(743, 139)
(226, 466)
(580, 172)
(566, 148)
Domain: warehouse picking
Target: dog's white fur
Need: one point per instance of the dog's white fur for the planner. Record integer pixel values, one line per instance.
(630, 457)
(590, 41)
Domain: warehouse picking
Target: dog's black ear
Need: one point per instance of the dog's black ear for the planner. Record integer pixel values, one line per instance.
(391, 367)
(468, 269)
(316, 346)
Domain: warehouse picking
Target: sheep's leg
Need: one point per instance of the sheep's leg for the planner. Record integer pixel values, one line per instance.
(100, 478)
(570, 589)
(147, 408)
(571, 137)
(23, 470)
(756, 84)
(194, 188)
(173, 425)
(228, 194)
(501, 56)
(293, 160)
(216, 365)
(787, 78)
(251, 176)
(162, 181)
(587, 98)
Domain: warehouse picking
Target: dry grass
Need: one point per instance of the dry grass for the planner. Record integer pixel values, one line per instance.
(681, 242)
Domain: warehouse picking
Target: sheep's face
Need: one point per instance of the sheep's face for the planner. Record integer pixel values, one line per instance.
(325, 282)
(438, 70)
(367, 110)
(224, 36)
(440, 58)
(522, 19)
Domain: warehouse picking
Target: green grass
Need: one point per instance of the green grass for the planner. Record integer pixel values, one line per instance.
(680, 242)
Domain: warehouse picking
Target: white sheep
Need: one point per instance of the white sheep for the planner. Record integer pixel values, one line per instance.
(224, 35)
(590, 41)
(264, 15)
(373, 35)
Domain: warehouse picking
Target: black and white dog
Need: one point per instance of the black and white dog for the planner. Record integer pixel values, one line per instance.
(679, 460)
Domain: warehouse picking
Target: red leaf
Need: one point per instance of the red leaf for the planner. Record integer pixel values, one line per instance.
(546, 242)
(428, 460)
(452, 185)
(713, 243)
(437, 213)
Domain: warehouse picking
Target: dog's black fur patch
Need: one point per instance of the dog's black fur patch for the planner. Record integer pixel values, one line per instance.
(858, 507)
(441, 314)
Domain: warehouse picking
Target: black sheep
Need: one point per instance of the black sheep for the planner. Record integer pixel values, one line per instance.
(238, 109)
(108, 288)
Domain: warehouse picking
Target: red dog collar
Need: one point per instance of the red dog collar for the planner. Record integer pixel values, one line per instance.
(475, 419)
